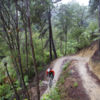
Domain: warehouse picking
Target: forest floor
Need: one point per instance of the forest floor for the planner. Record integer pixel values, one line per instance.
(88, 87)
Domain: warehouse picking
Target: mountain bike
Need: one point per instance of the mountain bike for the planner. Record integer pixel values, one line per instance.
(50, 81)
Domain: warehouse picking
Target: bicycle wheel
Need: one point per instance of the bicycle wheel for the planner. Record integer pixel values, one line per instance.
(50, 82)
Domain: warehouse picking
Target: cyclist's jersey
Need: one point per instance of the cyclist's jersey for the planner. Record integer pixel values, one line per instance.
(50, 73)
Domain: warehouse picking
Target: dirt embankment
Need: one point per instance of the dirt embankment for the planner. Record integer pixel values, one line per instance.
(94, 60)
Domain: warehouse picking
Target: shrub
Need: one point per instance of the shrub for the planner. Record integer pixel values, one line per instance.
(71, 46)
(5, 91)
(85, 40)
(75, 84)
(53, 95)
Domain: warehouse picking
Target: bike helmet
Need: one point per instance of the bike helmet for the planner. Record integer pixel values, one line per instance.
(48, 70)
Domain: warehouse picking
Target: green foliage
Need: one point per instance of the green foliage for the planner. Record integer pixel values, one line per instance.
(75, 84)
(66, 66)
(40, 69)
(17, 84)
(53, 95)
(59, 53)
(26, 79)
(25, 99)
(93, 27)
(76, 32)
(86, 37)
(85, 40)
(80, 38)
(71, 46)
(42, 55)
(2, 76)
(2, 69)
(5, 91)
(65, 75)
(62, 80)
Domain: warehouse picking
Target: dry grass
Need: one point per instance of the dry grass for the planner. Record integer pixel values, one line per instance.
(89, 52)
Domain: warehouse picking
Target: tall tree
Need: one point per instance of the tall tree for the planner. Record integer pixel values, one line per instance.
(52, 46)
(51, 41)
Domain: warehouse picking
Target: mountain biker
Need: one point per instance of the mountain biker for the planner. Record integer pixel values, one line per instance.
(50, 73)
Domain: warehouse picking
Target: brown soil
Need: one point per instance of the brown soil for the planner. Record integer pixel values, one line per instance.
(89, 51)
(93, 75)
(95, 67)
(96, 56)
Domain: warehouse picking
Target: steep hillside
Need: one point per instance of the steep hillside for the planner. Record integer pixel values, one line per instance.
(89, 51)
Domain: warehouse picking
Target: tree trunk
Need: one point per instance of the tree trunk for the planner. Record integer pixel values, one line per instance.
(54, 50)
(51, 36)
(26, 45)
(42, 47)
(65, 43)
(34, 60)
(33, 52)
(17, 70)
(99, 27)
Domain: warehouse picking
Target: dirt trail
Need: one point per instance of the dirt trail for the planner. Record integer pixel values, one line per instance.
(89, 83)
(57, 67)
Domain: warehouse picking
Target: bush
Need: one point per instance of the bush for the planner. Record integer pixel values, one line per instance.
(59, 53)
(76, 32)
(66, 66)
(93, 26)
(53, 95)
(85, 40)
(71, 46)
(26, 79)
(75, 84)
(5, 91)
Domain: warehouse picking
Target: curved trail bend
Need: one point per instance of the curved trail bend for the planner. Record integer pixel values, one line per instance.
(89, 83)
